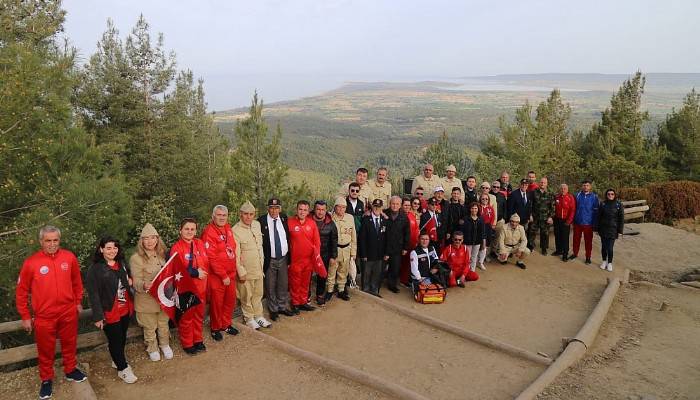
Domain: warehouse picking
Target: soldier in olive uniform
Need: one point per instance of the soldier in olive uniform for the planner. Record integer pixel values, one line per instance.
(428, 181)
(542, 215)
(347, 250)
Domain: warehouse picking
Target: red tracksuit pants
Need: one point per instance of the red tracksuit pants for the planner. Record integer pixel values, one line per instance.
(299, 281)
(587, 231)
(190, 325)
(65, 328)
(222, 301)
(469, 276)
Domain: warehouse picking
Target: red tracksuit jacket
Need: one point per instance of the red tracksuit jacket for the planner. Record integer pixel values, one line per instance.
(200, 262)
(220, 246)
(565, 207)
(54, 282)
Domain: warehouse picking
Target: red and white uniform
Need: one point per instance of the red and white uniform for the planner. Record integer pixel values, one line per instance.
(458, 260)
(220, 246)
(412, 243)
(56, 289)
(304, 247)
(190, 324)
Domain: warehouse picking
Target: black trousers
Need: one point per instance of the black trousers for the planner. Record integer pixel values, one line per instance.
(392, 277)
(116, 341)
(607, 245)
(321, 282)
(561, 236)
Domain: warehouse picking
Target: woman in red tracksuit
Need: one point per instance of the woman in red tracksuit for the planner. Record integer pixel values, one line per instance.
(110, 290)
(192, 265)
(413, 238)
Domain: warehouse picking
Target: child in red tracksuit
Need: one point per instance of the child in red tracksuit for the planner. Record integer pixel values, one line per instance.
(457, 257)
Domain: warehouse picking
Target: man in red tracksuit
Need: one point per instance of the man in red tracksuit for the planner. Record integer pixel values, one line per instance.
(51, 277)
(221, 250)
(305, 245)
(457, 256)
(564, 211)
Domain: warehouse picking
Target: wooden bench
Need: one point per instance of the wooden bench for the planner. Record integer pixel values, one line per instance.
(634, 209)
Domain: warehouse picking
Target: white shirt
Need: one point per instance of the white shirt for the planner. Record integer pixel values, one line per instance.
(282, 234)
(353, 203)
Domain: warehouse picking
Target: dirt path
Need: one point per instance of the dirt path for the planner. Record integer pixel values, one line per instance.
(640, 351)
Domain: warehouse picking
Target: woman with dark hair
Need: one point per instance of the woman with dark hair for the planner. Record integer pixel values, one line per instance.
(417, 207)
(192, 264)
(109, 288)
(474, 234)
(611, 221)
(488, 215)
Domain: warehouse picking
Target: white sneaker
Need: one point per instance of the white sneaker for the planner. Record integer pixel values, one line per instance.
(263, 322)
(253, 324)
(604, 265)
(127, 375)
(167, 352)
(482, 266)
(154, 356)
(609, 268)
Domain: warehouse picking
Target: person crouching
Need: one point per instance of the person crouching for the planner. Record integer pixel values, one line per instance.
(513, 240)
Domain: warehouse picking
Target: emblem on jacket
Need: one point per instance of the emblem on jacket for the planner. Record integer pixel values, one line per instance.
(64, 266)
(44, 270)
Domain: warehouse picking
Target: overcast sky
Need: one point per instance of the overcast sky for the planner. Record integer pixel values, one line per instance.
(292, 48)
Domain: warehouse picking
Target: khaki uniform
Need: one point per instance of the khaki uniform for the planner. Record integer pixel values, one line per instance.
(448, 184)
(148, 312)
(250, 267)
(365, 192)
(347, 237)
(428, 185)
(382, 192)
(510, 240)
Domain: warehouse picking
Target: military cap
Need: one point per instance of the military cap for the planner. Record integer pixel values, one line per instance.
(438, 189)
(247, 207)
(340, 201)
(274, 202)
(377, 203)
(451, 168)
(515, 217)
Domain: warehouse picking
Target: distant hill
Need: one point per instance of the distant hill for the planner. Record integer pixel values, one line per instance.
(390, 123)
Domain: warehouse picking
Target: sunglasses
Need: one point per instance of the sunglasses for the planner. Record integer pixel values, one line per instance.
(486, 187)
(496, 187)
(457, 240)
(355, 190)
(419, 193)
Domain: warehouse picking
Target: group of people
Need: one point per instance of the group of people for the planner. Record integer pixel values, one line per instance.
(370, 237)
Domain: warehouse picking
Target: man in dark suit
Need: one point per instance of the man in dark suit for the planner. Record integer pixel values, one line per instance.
(520, 202)
(276, 251)
(356, 208)
(371, 248)
(398, 235)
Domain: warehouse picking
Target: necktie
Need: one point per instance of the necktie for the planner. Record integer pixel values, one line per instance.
(276, 237)
(376, 224)
(524, 197)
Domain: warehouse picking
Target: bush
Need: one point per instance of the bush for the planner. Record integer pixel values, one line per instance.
(668, 200)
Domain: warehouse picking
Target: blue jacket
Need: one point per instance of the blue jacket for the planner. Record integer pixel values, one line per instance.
(586, 209)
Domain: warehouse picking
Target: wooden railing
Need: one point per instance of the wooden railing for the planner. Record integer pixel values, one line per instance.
(635, 209)
(28, 352)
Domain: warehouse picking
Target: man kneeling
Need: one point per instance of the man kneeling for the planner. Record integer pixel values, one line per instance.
(457, 256)
(513, 240)
(425, 265)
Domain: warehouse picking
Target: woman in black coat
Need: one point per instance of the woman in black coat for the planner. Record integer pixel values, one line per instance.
(109, 287)
(611, 221)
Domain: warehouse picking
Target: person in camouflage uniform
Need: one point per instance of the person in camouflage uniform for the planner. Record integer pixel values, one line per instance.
(542, 215)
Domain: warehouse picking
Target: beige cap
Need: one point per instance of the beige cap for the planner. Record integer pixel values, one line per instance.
(149, 230)
(515, 217)
(451, 168)
(247, 207)
(340, 201)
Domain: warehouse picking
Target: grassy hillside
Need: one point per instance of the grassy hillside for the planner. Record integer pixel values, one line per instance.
(327, 137)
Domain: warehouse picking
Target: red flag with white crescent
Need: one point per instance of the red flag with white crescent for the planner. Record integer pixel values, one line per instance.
(172, 290)
(430, 228)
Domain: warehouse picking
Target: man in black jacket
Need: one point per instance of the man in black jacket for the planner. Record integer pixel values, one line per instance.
(520, 202)
(371, 248)
(398, 235)
(455, 212)
(276, 251)
(328, 233)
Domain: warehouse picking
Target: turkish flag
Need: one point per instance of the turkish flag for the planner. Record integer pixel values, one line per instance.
(430, 228)
(320, 268)
(174, 291)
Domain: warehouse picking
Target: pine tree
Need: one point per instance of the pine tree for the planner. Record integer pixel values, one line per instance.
(444, 152)
(257, 171)
(680, 134)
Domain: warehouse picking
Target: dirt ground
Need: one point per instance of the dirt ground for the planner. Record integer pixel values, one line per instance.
(641, 353)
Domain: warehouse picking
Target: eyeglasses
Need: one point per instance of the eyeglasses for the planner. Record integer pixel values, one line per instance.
(610, 194)
(355, 190)
(416, 203)
(486, 187)
(457, 240)
(419, 193)
(484, 199)
(495, 187)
